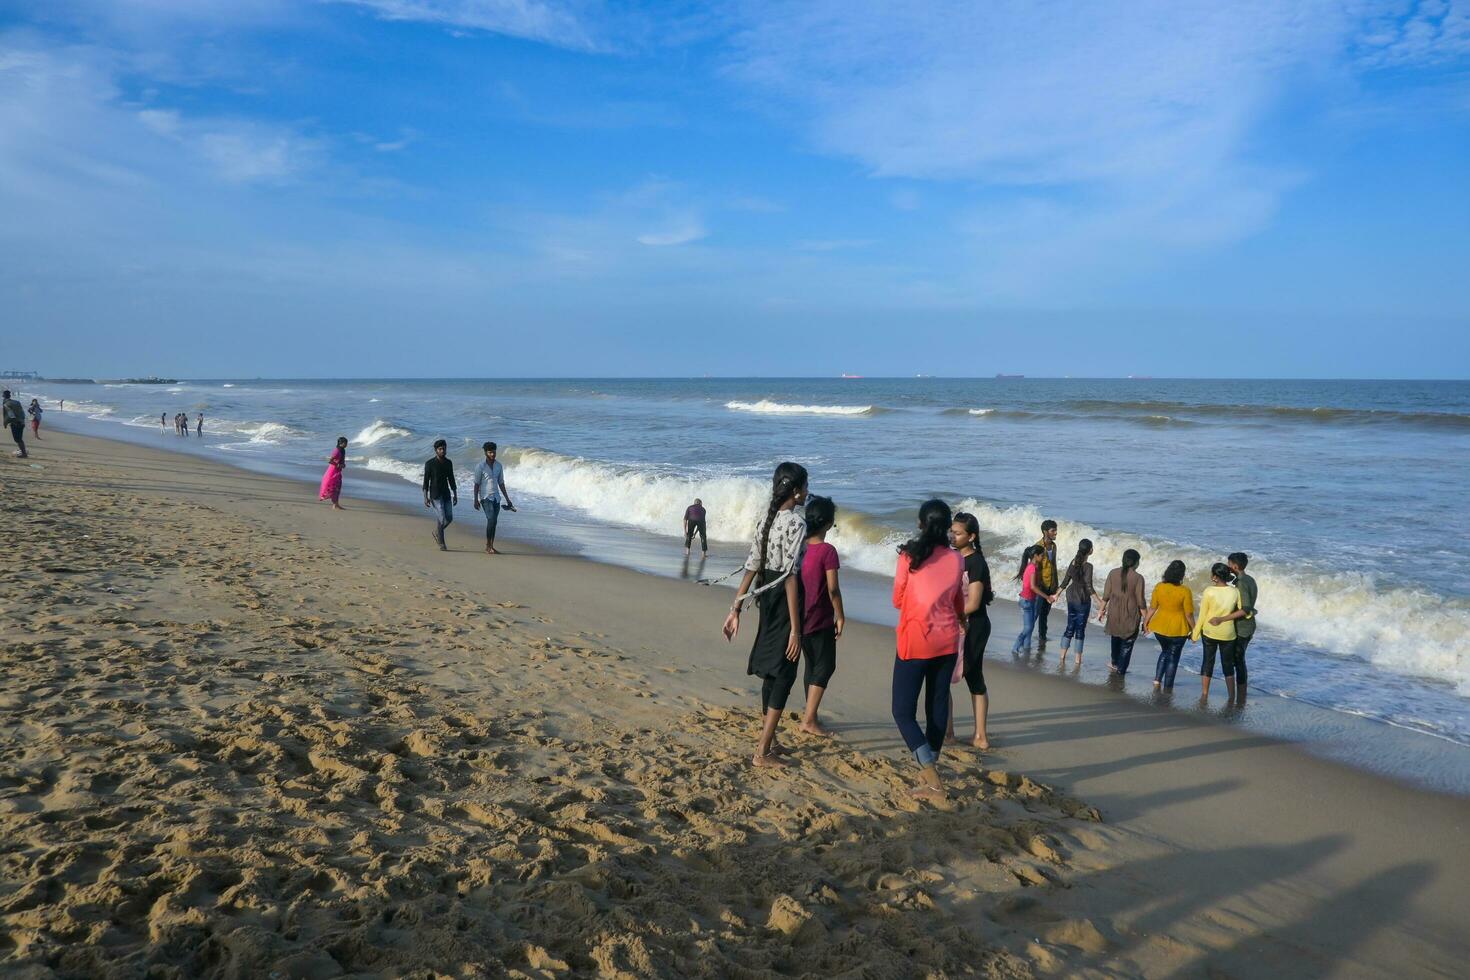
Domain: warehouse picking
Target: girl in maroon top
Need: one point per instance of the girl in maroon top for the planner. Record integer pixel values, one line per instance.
(823, 619)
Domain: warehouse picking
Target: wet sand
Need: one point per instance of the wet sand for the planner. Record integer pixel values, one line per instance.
(242, 734)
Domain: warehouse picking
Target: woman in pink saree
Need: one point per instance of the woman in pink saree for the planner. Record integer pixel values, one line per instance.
(332, 478)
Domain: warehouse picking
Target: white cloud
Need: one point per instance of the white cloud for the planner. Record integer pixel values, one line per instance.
(1415, 32)
(681, 230)
(238, 151)
(534, 20)
(1090, 139)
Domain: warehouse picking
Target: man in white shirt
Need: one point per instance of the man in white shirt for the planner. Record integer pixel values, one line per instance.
(489, 485)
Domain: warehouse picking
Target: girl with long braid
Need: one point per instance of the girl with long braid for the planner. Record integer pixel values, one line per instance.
(929, 594)
(774, 568)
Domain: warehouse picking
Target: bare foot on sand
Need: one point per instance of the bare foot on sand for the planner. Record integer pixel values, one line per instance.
(982, 744)
(923, 791)
(490, 550)
(772, 760)
(813, 728)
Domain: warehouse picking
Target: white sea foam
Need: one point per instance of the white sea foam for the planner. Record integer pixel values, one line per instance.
(981, 411)
(767, 407)
(258, 433)
(380, 429)
(1343, 613)
(227, 386)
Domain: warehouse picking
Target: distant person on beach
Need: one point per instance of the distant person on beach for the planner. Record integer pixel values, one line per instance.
(440, 491)
(694, 521)
(822, 615)
(964, 537)
(1122, 607)
(489, 485)
(1171, 618)
(162, 421)
(199, 430)
(332, 478)
(929, 594)
(35, 411)
(1244, 617)
(1077, 585)
(1033, 597)
(773, 567)
(1046, 579)
(15, 417)
(1215, 629)
(61, 405)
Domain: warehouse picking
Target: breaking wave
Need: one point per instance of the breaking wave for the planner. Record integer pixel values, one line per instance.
(767, 407)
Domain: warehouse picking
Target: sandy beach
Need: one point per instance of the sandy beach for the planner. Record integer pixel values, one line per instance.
(242, 735)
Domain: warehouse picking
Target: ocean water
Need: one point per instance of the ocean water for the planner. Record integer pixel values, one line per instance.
(1349, 496)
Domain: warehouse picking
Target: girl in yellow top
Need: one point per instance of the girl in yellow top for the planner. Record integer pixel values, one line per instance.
(1219, 599)
(1171, 617)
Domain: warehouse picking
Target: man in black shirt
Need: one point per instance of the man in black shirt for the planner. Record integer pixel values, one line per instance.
(440, 490)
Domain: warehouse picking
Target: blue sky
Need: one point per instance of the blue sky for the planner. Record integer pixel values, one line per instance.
(509, 187)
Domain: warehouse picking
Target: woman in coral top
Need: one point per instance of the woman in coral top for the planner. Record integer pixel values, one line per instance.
(928, 592)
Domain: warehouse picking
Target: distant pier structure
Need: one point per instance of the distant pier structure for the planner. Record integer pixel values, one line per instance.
(20, 375)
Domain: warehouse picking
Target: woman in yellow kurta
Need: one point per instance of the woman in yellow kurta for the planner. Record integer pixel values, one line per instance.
(1171, 618)
(1220, 598)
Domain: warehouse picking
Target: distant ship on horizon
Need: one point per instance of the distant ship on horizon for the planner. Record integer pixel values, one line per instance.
(1009, 376)
(852, 377)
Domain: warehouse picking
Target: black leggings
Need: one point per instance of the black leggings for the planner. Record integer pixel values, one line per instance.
(1241, 642)
(1226, 650)
(775, 690)
(819, 650)
(977, 634)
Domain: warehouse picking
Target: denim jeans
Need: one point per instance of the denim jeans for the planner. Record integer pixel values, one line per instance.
(1043, 610)
(1028, 623)
(1170, 647)
(932, 676)
(492, 517)
(1122, 651)
(1076, 624)
(444, 515)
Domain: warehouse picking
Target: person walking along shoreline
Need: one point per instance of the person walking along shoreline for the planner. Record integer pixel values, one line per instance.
(489, 485)
(1122, 608)
(929, 595)
(441, 494)
(773, 567)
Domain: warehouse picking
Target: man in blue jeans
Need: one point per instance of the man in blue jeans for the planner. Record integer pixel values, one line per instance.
(489, 485)
(440, 490)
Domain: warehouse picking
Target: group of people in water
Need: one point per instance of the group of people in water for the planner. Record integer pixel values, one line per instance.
(181, 424)
(1224, 626)
(941, 588)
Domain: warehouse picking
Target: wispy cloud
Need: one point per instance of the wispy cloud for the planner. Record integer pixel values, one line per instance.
(559, 24)
(239, 151)
(832, 244)
(1078, 131)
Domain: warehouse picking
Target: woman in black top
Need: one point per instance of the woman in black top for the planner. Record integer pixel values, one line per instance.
(965, 536)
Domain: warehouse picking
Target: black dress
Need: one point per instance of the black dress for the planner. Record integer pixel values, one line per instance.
(768, 652)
